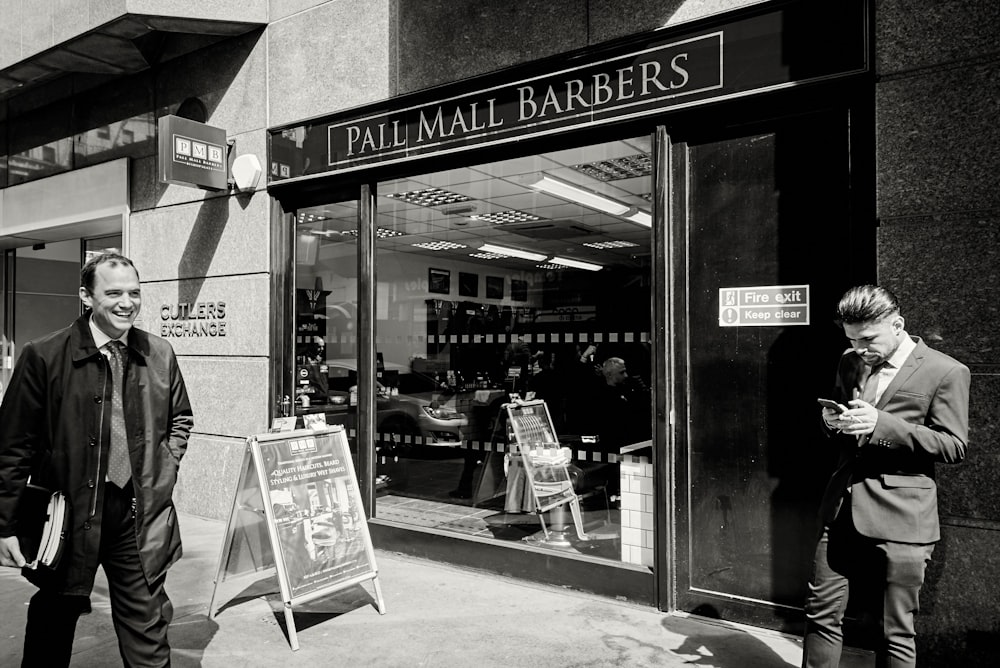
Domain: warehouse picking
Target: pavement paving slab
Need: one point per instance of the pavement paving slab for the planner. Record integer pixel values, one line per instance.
(436, 616)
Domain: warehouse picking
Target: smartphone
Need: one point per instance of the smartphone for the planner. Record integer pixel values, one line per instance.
(831, 404)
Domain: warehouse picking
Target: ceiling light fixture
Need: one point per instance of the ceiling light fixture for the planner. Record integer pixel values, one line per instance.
(579, 195)
(591, 199)
(512, 252)
(640, 217)
(576, 264)
(439, 245)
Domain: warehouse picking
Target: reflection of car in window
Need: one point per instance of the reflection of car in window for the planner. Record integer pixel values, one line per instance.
(416, 410)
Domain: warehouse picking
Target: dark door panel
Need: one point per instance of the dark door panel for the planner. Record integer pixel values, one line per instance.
(764, 206)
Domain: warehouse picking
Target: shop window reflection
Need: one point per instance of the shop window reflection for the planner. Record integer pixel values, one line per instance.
(326, 287)
(511, 319)
(133, 137)
(40, 161)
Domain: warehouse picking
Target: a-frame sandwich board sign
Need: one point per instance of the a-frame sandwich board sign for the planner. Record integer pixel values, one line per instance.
(297, 508)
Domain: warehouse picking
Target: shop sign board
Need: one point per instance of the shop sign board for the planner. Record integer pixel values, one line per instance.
(670, 69)
(766, 306)
(297, 508)
(193, 154)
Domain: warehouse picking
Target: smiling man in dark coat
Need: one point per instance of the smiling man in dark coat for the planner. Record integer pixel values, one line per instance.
(113, 449)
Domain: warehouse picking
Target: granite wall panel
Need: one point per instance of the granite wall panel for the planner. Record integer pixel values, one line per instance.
(254, 11)
(280, 9)
(959, 620)
(969, 490)
(475, 38)
(946, 272)
(220, 236)
(228, 394)
(208, 476)
(36, 27)
(938, 142)
(334, 56)
(10, 34)
(610, 19)
(914, 34)
(214, 316)
(147, 191)
(441, 41)
(229, 78)
(71, 17)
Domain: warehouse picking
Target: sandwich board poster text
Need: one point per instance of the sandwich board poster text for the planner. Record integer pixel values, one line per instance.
(311, 490)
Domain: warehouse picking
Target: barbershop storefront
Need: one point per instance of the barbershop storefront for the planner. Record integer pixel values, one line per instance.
(678, 202)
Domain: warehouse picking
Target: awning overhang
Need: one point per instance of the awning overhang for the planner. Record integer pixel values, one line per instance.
(125, 45)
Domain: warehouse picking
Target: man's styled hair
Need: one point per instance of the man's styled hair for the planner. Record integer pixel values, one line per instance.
(866, 303)
(89, 271)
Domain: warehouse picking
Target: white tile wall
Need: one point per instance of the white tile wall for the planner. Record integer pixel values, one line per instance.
(637, 510)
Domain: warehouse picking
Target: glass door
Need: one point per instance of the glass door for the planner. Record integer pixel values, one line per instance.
(766, 208)
(7, 259)
(326, 316)
(40, 292)
(44, 291)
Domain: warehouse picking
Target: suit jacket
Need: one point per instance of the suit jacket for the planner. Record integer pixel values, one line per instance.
(55, 426)
(888, 478)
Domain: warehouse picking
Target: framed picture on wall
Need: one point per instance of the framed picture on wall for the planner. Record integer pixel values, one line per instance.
(518, 290)
(468, 284)
(494, 287)
(439, 280)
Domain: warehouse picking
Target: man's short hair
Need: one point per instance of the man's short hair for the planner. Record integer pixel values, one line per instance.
(89, 271)
(866, 303)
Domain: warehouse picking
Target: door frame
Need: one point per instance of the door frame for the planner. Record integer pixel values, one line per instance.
(671, 310)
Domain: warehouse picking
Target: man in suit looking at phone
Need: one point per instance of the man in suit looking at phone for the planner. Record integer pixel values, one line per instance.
(902, 408)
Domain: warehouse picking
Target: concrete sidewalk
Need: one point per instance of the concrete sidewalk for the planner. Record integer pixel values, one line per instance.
(436, 616)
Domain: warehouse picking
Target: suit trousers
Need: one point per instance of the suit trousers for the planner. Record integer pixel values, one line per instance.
(141, 611)
(886, 576)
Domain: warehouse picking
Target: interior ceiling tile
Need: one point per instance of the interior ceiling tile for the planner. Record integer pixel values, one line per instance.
(638, 185)
(517, 166)
(453, 177)
(402, 186)
(470, 225)
(418, 213)
(530, 200)
(412, 228)
(488, 188)
(585, 154)
(564, 228)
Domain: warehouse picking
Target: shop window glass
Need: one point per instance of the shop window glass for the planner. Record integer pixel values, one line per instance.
(521, 277)
(3, 154)
(40, 161)
(40, 144)
(134, 137)
(326, 289)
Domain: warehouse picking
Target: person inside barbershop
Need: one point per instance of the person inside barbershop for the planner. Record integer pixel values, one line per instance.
(903, 408)
(99, 411)
(623, 406)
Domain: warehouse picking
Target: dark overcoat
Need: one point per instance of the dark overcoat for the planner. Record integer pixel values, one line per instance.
(55, 427)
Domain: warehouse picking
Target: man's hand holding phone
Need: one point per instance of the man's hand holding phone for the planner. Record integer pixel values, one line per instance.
(833, 414)
(857, 419)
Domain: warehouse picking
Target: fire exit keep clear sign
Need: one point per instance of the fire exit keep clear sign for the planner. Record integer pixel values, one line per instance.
(764, 306)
